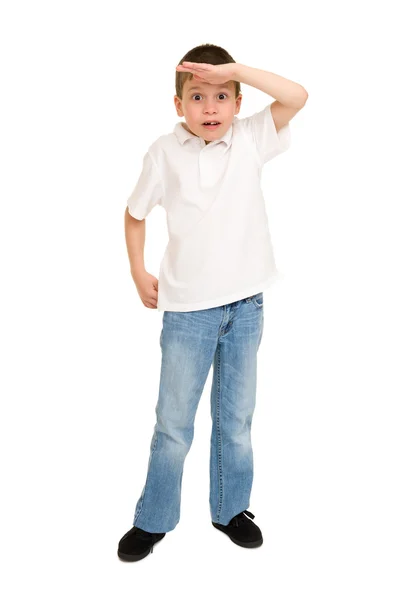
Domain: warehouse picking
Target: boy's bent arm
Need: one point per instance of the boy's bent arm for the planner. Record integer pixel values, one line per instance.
(135, 233)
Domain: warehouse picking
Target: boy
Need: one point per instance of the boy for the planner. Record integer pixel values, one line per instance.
(219, 258)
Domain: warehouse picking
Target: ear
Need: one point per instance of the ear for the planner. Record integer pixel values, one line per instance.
(178, 106)
(238, 103)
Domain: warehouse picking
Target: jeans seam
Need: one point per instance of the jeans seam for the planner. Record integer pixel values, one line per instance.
(153, 447)
(218, 434)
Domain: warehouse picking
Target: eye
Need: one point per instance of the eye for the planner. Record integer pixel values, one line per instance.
(221, 94)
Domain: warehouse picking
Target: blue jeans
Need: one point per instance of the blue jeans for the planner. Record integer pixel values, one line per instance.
(227, 337)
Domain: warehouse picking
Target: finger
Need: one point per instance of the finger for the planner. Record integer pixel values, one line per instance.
(194, 66)
(190, 69)
(150, 305)
(203, 66)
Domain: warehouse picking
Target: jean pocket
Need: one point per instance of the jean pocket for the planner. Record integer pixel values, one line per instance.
(258, 300)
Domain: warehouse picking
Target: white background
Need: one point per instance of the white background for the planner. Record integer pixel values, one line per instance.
(86, 88)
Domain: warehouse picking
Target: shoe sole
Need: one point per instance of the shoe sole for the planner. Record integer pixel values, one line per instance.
(254, 544)
(135, 557)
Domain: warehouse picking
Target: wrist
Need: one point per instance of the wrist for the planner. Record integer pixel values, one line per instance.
(137, 270)
(237, 71)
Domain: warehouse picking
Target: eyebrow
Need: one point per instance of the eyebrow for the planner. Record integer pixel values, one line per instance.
(199, 89)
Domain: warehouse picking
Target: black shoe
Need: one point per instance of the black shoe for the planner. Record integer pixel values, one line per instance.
(137, 543)
(242, 531)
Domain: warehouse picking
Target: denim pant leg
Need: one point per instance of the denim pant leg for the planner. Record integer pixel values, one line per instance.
(188, 341)
(233, 398)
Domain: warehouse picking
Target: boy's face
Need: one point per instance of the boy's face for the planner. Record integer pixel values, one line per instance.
(203, 102)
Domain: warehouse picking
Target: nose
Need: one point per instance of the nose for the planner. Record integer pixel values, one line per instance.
(210, 107)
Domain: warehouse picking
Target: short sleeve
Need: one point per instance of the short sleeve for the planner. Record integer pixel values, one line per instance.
(267, 141)
(148, 190)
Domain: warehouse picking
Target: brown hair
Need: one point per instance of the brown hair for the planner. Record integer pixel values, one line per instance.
(206, 53)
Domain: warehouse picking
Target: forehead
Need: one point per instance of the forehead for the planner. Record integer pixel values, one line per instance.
(191, 85)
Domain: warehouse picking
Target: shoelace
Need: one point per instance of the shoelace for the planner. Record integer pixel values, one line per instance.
(240, 518)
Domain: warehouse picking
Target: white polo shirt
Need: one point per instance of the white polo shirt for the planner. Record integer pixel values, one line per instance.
(219, 248)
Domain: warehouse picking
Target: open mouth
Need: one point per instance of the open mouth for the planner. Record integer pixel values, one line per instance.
(211, 124)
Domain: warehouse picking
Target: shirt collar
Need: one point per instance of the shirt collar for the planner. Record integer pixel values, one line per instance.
(183, 135)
